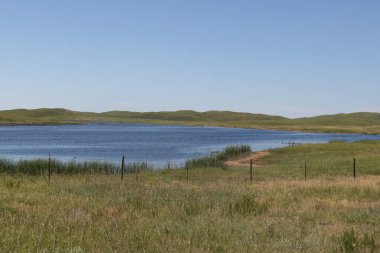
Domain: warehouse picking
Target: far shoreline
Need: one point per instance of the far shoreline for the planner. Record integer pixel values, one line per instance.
(190, 124)
(357, 122)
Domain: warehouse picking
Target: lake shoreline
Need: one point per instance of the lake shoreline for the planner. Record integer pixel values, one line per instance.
(190, 124)
(357, 122)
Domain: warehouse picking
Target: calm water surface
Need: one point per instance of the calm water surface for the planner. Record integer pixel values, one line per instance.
(139, 142)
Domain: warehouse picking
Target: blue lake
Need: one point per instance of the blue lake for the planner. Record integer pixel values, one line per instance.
(139, 142)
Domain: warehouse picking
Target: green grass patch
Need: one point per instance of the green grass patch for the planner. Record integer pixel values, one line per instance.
(322, 160)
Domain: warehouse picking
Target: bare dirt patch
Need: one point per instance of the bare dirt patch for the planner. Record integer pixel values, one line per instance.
(244, 161)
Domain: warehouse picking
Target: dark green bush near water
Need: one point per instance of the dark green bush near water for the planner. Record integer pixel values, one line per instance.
(217, 160)
(40, 166)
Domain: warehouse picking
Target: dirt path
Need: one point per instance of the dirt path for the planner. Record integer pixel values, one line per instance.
(244, 161)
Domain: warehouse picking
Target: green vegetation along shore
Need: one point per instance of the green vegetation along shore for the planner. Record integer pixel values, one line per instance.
(215, 210)
(363, 122)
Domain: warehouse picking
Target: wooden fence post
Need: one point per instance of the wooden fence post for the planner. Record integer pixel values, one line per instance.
(251, 169)
(187, 173)
(122, 168)
(305, 171)
(354, 168)
(49, 167)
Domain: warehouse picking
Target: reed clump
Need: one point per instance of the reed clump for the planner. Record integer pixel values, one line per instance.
(217, 160)
(41, 166)
(232, 152)
(136, 167)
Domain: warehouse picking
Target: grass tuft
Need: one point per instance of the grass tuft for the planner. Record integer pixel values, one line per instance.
(351, 242)
(247, 205)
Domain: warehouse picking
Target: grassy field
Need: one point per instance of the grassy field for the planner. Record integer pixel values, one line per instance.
(217, 210)
(364, 122)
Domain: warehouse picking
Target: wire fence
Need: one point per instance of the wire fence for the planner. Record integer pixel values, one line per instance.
(285, 168)
(352, 167)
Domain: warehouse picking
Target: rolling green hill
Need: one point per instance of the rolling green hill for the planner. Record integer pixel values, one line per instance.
(362, 122)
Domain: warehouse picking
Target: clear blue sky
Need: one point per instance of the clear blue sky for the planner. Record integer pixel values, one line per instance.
(290, 58)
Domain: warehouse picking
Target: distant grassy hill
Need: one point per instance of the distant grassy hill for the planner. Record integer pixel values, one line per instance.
(362, 122)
